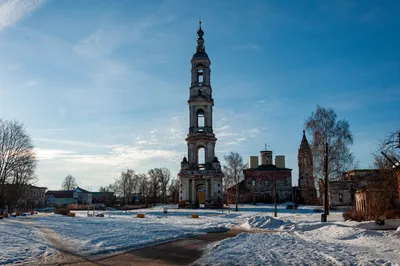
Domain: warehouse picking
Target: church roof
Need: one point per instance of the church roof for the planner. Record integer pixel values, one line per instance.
(199, 55)
(304, 141)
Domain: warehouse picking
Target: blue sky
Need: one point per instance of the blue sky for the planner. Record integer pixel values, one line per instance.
(103, 85)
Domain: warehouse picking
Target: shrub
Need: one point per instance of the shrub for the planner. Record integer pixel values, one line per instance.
(5, 215)
(352, 214)
(195, 215)
(63, 211)
(71, 214)
(392, 214)
(140, 215)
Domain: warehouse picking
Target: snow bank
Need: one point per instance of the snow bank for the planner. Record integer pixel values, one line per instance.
(268, 222)
(321, 244)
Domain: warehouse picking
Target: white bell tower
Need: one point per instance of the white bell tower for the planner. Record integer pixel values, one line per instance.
(200, 176)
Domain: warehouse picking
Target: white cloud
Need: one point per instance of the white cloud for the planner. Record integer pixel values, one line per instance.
(12, 11)
(71, 142)
(45, 154)
(125, 156)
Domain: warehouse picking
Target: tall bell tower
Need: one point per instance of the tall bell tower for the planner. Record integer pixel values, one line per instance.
(306, 178)
(200, 175)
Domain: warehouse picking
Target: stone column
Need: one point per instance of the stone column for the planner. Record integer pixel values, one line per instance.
(194, 196)
(212, 188)
(206, 187)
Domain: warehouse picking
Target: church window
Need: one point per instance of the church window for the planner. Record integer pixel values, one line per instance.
(341, 197)
(254, 181)
(200, 118)
(266, 182)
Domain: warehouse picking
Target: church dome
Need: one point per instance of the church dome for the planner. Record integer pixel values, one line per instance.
(200, 55)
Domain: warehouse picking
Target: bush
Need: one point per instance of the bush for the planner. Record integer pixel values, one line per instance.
(353, 215)
(195, 215)
(71, 214)
(140, 215)
(5, 215)
(63, 211)
(392, 214)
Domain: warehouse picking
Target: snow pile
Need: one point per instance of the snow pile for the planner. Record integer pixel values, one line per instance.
(322, 244)
(268, 222)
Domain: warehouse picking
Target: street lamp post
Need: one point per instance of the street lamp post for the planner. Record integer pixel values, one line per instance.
(275, 209)
(324, 217)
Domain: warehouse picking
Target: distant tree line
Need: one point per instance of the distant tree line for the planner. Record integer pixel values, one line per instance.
(154, 186)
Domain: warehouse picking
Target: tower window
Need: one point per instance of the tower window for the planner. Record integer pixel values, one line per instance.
(200, 118)
(200, 77)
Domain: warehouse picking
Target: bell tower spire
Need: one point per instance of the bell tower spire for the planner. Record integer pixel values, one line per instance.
(200, 40)
(200, 171)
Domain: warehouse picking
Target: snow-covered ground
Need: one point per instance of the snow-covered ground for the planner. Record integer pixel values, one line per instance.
(304, 240)
(296, 238)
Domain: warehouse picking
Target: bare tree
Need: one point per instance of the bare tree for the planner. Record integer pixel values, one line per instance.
(143, 186)
(382, 190)
(164, 178)
(154, 183)
(126, 185)
(69, 183)
(233, 171)
(17, 157)
(109, 188)
(324, 127)
(174, 190)
(391, 148)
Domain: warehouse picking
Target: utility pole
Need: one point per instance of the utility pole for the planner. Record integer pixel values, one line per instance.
(324, 217)
(275, 209)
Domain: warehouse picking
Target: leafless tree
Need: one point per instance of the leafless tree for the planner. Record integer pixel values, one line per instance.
(17, 157)
(382, 190)
(108, 188)
(154, 183)
(324, 127)
(126, 184)
(391, 148)
(69, 183)
(143, 186)
(164, 178)
(174, 190)
(233, 171)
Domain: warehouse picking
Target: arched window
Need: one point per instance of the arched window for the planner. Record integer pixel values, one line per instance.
(201, 156)
(200, 76)
(200, 119)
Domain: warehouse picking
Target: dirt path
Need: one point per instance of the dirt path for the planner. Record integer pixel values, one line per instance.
(181, 252)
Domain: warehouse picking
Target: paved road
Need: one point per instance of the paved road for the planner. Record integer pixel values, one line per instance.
(181, 252)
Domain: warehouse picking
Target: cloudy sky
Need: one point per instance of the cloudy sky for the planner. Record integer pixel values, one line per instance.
(103, 85)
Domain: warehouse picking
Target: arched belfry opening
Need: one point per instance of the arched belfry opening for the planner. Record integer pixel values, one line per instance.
(201, 156)
(200, 77)
(200, 119)
(200, 175)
